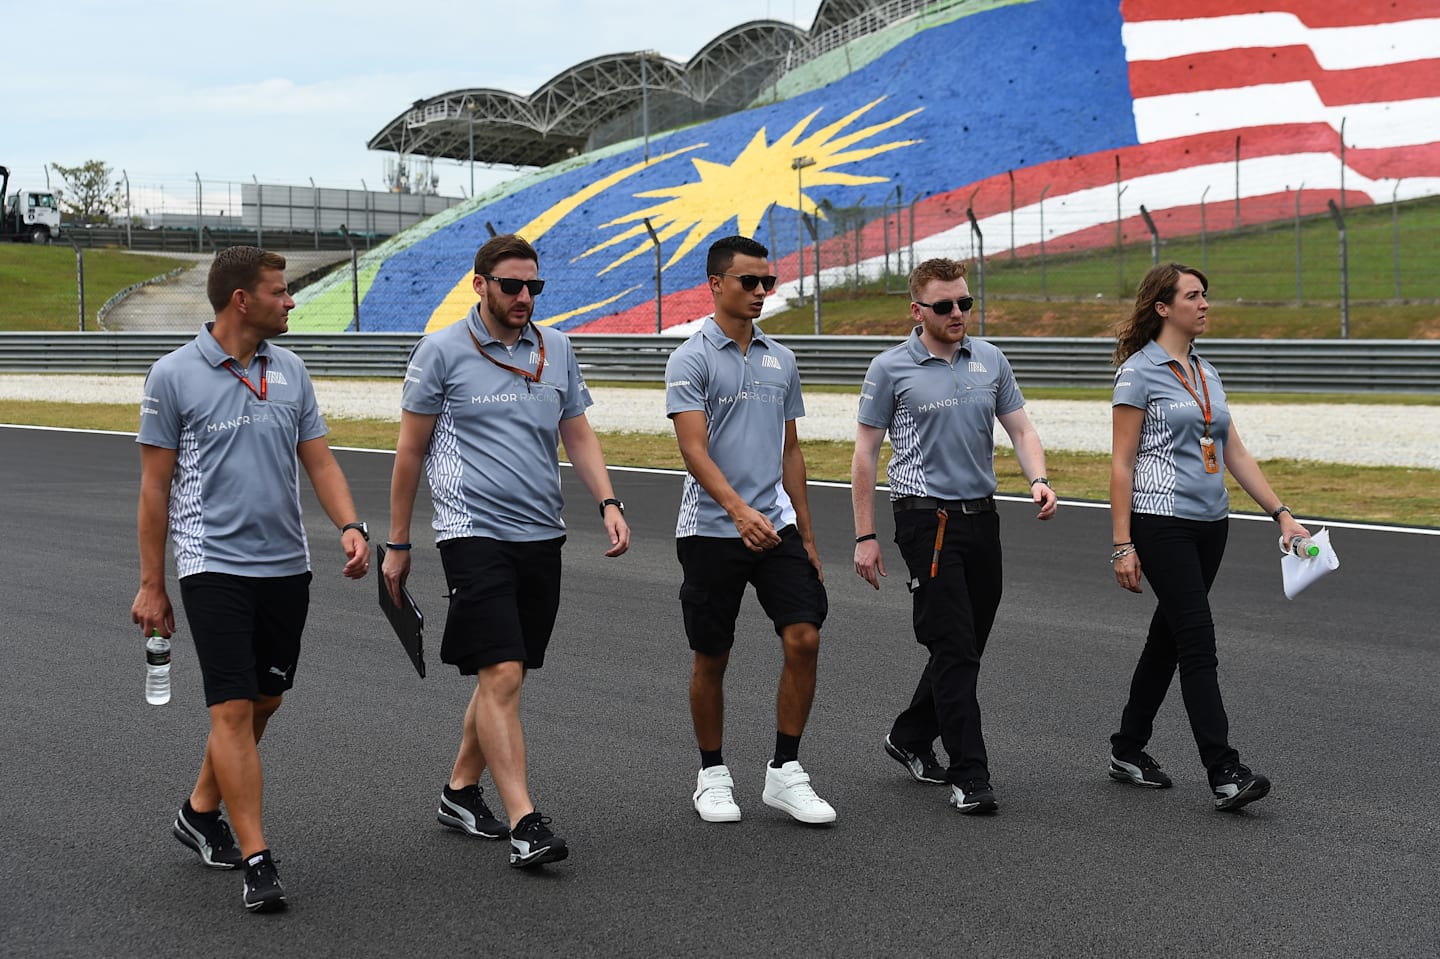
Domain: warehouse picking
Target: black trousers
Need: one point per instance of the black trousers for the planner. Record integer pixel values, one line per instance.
(1179, 558)
(953, 614)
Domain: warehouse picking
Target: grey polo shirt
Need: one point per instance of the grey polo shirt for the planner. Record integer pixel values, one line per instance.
(235, 496)
(1170, 477)
(492, 464)
(747, 399)
(941, 416)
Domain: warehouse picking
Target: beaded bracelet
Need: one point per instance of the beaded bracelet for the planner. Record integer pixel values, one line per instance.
(1122, 552)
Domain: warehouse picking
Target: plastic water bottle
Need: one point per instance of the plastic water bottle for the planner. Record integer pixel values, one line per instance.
(157, 669)
(1303, 546)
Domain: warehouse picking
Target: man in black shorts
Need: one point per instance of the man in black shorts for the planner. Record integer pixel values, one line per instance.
(733, 395)
(225, 424)
(484, 404)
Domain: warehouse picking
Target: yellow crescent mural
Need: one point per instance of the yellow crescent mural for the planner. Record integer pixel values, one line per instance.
(459, 300)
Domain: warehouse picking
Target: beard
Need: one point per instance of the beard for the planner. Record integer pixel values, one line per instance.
(496, 310)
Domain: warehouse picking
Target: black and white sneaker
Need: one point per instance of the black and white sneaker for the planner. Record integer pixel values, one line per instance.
(210, 837)
(263, 892)
(532, 842)
(922, 767)
(1139, 769)
(465, 809)
(1235, 785)
(974, 796)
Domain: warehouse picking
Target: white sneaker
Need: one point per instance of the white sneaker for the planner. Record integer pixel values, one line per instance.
(715, 795)
(788, 789)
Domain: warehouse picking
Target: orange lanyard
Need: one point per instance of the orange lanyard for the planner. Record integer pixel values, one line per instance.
(1205, 407)
(260, 394)
(526, 375)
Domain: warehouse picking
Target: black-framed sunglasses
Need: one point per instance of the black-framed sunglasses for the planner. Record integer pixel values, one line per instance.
(511, 286)
(748, 281)
(943, 307)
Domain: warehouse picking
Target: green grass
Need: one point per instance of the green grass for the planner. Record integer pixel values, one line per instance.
(39, 284)
(1359, 493)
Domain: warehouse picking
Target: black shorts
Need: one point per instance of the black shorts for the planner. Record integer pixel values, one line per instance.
(247, 631)
(503, 601)
(716, 571)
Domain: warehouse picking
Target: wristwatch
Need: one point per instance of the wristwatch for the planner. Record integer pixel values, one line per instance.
(611, 502)
(364, 530)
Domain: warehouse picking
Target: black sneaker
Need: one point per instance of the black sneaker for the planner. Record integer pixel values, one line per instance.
(1139, 769)
(210, 837)
(973, 796)
(465, 809)
(263, 892)
(922, 767)
(532, 842)
(1235, 785)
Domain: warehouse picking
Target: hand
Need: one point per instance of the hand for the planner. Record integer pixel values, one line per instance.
(1290, 528)
(358, 553)
(869, 563)
(1045, 496)
(152, 611)
(395, 570)
(756, 532)
(1127, 572)
(619, 532)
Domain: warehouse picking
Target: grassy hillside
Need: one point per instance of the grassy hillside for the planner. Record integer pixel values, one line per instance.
(38, 288)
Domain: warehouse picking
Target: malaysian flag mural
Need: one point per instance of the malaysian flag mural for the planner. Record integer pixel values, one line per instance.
(1034, 115)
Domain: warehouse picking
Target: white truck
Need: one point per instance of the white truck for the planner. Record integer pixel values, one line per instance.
(29, 215)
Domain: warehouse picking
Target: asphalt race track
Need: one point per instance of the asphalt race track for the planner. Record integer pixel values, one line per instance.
(1333, 696)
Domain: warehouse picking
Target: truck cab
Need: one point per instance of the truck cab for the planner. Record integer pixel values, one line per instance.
(31, 215)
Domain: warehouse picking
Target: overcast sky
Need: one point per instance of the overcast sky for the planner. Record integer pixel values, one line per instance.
(288, 91)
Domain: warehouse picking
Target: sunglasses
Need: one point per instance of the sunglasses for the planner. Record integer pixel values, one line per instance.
(748, 281)
(511, 286)
(943, 307)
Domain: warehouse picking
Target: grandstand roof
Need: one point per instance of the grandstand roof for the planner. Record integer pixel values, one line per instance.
(565, 114)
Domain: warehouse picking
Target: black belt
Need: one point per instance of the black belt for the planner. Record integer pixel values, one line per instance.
(967, 506)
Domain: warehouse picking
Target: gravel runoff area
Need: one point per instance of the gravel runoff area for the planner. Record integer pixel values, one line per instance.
(1362, 435)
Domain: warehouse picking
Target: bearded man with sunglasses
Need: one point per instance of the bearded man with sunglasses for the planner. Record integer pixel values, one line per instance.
(733, 395)
(938, 395)
(485, 402)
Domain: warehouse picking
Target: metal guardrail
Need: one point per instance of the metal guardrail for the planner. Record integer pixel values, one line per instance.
(1330, 366)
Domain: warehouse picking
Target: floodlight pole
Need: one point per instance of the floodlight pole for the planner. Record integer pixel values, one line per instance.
(798, 165)
(470, 109)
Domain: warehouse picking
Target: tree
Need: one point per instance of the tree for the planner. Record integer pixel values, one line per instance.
(91, 193)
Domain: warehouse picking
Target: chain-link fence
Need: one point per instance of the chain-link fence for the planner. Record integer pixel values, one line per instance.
(1299, 250)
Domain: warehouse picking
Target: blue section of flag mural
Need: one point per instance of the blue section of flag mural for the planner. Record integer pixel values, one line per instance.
(996, 91)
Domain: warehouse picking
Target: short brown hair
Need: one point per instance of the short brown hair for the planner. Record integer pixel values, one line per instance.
(939, 268)
(238, 268)
(506, 246)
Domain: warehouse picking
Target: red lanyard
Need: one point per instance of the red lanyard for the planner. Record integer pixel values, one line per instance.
(1205, 407)
(260, 394)
(526, 375)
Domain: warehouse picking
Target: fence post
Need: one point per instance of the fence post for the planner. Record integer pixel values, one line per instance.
(1344, 273)
(1204, 253)
(1237, 182)
(259, 212)
(979, 263)
(914, 201)
(656, 240)
(1395, 234)
(354, 277)
(1299, 288)
(1011, 175)
(80, 279)
(1043, 292)
(315, 205)
(1119, 235)
(1154, 236)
